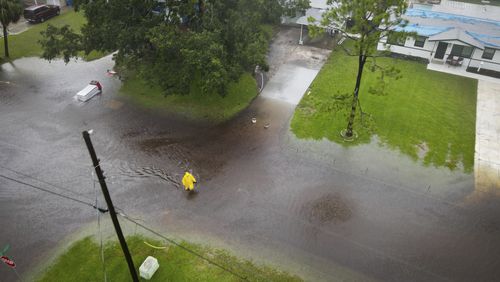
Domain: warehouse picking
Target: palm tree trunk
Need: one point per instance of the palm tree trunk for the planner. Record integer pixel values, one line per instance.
(5, 41)
(361, 64)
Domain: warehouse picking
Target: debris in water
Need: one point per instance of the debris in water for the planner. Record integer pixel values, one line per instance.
(254, 120)
(267, 125)
(422, 150)
(330, 207)
(111, 73)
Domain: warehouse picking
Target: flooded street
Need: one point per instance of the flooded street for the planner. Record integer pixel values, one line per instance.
(312, 208)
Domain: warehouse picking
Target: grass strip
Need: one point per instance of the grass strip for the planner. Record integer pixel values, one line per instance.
(82, 262)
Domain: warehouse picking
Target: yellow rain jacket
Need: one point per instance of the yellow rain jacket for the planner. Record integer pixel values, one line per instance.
(188, 181)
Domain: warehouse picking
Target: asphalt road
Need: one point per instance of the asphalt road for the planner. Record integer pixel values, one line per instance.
(313, 208)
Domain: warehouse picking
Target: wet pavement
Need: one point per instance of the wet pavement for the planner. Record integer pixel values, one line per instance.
(296, 74)
(313, 208)
(487, 155)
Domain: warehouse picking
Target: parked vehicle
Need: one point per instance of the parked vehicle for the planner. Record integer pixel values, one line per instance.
(40, 13)
(89, 91)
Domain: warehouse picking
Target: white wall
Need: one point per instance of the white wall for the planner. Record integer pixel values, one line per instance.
(429, 49)
(493, 64)
(485, 65)
(410, 49)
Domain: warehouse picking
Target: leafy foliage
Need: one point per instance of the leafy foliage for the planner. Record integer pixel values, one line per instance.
(60, 41)
(365, 22)
(271, 11)
(170, 43)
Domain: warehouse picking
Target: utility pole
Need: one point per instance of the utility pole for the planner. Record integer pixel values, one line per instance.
(111, 208)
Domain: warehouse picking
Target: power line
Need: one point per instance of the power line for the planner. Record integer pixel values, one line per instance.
(109, 203)
(102, 210)
(59, 187)
(55, 193)
(183, 247)
(100, 232)
(45, 182)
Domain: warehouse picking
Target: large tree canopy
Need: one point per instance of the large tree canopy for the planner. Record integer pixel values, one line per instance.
(171, 42)
(10, 12)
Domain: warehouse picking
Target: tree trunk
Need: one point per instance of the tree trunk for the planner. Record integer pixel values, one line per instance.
(361, 64)
(5, 42)
(200, 6)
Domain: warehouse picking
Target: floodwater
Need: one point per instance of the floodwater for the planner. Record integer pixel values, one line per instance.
(313, 208)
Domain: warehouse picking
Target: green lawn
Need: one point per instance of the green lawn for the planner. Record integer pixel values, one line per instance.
(82, 262)
(196, 105)
(26, 43)
(425, 114)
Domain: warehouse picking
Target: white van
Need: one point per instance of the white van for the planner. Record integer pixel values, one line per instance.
(89, 91)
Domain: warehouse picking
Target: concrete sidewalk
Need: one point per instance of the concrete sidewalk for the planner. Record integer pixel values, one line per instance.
(21, 26)
(487, 151)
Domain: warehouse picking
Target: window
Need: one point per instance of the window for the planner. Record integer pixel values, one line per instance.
(394, 38)
(488, 53)
(461, 51)
(420, 41)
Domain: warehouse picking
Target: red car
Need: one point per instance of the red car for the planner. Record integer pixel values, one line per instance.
(40, 13)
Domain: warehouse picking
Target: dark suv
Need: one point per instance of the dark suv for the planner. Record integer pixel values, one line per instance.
(40, 13)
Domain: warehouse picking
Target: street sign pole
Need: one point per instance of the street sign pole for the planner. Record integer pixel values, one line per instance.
(111, 208)
(10, 263)
(5, 249)
(17, 274)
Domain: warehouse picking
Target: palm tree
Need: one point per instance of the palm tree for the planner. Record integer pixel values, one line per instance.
(10, 12)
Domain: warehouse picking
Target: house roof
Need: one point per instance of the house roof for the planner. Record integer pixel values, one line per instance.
(424, 30)
(457, 34)
(468, 9)
(318, 8)
(315, 13)
(438, 25)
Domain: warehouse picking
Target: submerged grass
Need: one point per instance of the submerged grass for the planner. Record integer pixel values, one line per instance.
(82, 262)
(425, 114)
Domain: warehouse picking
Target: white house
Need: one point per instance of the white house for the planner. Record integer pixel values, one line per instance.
(458, 35)
(316, 10)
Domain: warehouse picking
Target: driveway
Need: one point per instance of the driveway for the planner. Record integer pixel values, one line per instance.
(310, 207)
(487, 157)
(295, 75)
